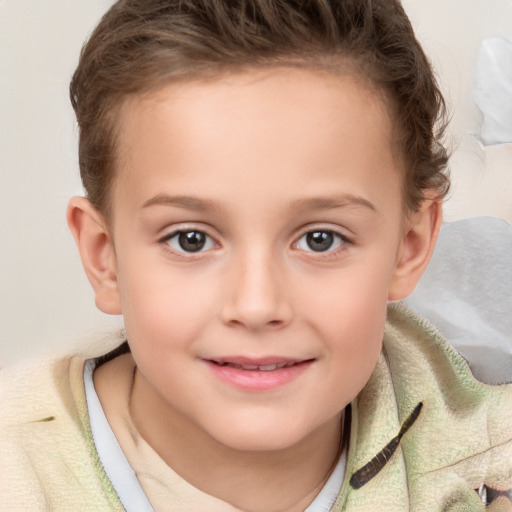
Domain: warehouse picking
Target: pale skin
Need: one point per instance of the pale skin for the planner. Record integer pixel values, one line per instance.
(253, 162)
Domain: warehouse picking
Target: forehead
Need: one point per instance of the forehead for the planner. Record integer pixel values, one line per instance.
(275, 126)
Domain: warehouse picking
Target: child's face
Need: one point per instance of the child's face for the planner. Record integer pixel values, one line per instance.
(256, 222)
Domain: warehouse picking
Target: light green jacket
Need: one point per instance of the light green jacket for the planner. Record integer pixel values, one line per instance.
(461, 439)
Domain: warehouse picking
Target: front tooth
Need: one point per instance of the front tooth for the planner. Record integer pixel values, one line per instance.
(250, 367)
(268, 367)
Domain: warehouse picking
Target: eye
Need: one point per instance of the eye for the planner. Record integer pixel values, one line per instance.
(189, 241)
(321, 240)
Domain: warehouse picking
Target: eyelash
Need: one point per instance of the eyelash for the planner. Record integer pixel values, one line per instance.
(335, 238)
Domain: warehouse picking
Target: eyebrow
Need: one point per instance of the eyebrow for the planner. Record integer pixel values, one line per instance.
(330, 203)
(187, 202)
(315, 203)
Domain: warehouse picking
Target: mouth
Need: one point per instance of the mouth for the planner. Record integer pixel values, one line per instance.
(258, 374)
(267, 364)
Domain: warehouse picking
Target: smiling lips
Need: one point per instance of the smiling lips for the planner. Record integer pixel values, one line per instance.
(263, 368)
(257, 374)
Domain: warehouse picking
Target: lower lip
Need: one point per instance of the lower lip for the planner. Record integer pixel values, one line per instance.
(258, 380)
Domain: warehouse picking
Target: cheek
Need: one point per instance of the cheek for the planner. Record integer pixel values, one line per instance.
(163, 319)
(354, 335)
(164, 309)
(353, 299)
(354, 351)
(351, 314)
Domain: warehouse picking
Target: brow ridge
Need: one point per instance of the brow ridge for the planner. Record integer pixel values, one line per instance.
(329, 203)
(188, 202)
(313, 203)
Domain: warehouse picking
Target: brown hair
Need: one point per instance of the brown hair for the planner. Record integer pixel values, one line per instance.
(144, 44)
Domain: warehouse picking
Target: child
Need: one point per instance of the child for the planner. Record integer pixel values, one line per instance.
(262, 179)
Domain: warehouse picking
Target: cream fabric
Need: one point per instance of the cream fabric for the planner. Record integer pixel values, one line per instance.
(138, 473)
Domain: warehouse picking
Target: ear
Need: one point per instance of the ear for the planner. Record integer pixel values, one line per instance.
(96, 249)
(419, 239)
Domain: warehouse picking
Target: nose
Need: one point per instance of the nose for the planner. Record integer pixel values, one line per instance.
(257, 296)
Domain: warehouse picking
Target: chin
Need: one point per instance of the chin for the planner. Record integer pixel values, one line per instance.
(261, 436)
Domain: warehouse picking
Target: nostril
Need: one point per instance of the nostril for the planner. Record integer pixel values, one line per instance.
(255, 325)
(256, 302)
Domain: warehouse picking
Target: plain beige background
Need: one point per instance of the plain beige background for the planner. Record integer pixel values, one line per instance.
(46, 305)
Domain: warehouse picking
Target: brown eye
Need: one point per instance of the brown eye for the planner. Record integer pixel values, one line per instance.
(190, 241)
(320, 240)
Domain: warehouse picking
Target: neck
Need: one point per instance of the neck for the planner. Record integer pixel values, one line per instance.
(280, 480)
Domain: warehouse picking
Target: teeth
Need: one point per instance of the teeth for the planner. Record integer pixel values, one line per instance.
(268, 367)
(263, 368)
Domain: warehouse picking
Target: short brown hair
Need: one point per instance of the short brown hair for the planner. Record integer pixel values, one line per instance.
(144, 44)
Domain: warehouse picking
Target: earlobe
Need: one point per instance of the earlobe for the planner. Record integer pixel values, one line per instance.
(418, 243)
(96, 251)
